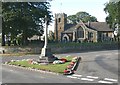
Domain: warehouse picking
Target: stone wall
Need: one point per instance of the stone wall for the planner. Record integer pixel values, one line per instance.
(64, 49)
(85, 48)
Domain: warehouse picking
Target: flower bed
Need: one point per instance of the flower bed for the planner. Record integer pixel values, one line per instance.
(64, 65)
(30, 63)
(71, 67)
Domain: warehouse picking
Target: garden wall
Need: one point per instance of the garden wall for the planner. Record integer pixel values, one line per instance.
(84, 48)
(63, 48)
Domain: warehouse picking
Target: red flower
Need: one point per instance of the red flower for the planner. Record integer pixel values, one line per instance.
(69, 66)
(65, 71)
(72, 63)
(63, 59)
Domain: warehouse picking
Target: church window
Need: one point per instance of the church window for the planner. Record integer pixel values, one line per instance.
(90, 35)
(80, 33)
(59, 19)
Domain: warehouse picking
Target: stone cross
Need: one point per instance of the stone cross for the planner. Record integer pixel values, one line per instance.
(46, 27)
(46, 55)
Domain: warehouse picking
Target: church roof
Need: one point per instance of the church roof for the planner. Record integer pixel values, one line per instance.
(97, 26)
(69, 28)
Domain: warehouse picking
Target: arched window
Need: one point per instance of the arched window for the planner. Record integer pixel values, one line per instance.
(90, 35)
(59, 19)
(65, 38)
(80, 32)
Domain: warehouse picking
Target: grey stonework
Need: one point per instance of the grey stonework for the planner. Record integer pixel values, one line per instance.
(60, 21)
(90, 32)
(65, 49)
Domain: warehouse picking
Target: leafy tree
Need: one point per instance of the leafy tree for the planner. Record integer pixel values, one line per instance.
(51, 36)
(72, 19)
(84, 16)
(0, 22)
(111, 10)
(25, 18)
(113, 18)
(0, 7)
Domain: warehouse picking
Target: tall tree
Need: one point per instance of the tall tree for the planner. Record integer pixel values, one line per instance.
(113, 18)
(25, 18)
(84, 16)
(111, 10)
(51, 36)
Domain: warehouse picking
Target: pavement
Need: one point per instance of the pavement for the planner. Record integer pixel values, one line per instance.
(95, 67)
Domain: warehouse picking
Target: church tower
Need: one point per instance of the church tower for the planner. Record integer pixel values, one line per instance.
(60, 21)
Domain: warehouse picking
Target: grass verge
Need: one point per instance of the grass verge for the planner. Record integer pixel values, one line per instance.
(57, 68)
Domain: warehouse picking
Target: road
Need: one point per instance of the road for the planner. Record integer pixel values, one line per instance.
(95, 67)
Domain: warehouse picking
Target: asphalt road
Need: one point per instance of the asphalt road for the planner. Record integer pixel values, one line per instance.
(95, 67)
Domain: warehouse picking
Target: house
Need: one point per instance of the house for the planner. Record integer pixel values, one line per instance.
(90, 32)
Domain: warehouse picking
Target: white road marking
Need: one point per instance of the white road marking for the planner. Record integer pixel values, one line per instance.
(87, 79)
(104, 82)
(76, 75)
(92, 77)
(110, 79)
(71, 77)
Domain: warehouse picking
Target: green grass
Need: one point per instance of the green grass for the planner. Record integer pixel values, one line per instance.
(57, 68)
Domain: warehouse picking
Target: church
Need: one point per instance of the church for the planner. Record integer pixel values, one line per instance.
(88, 32)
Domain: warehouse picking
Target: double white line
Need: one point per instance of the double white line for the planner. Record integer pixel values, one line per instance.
(89, 78)
(114, 80)
(92, 78)
(108, 80)
(74, 76)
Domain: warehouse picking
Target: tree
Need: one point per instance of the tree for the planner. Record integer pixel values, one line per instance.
(25, 18)
(113, 18)
(84, 16)
(72, 19)
(51, 36)
(111, 10)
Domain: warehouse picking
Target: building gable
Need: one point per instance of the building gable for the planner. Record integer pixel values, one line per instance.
(99, 26)
(81, 31)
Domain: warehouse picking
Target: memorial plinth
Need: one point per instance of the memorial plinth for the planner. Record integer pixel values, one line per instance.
(46, 55)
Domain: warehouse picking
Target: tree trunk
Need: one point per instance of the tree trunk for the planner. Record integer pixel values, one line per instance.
(24, 40)
(3, 39)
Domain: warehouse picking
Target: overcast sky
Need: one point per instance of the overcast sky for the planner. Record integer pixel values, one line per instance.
(70, 7)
